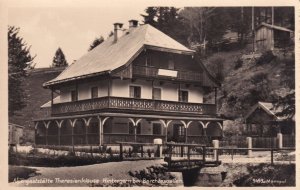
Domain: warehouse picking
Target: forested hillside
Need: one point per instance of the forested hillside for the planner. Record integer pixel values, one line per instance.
(223, 39)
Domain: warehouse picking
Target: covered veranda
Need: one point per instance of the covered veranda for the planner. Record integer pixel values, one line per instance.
(110, 128)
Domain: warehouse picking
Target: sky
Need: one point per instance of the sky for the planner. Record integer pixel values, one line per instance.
(72, 28)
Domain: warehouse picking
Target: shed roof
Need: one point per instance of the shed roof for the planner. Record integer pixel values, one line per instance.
(111, 55)
(274, 27)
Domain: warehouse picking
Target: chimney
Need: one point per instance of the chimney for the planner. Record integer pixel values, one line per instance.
(133, 23)
(117, 26)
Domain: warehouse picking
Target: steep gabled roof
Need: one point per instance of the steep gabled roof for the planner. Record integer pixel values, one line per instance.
(269, 108)
(111, 55)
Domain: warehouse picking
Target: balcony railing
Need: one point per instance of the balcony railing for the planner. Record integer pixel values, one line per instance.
(120, 103)
(181, 75)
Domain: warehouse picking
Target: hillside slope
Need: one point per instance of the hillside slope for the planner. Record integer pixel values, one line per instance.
(36, 95)
(248, 81)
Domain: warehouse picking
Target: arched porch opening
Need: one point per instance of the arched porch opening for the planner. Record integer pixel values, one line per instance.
(41, 132)
(117, 129)
(176, 131)
(53, 133)
(93, 131)
(66, 133)
(195, 133)
(214, 130)
(79, 132)
(149, 129)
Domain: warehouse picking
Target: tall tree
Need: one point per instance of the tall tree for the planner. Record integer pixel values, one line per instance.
(59, 59)
(96, 42)
(203, 24)
(239, 21)
(167, 20)
(19, 60)
(150, 16)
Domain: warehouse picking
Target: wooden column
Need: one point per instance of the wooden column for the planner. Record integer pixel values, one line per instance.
(135, 126)
(72, 125)
(100, 132)
(59, 135)
(186, 135)
(86, 133)
(166, 135)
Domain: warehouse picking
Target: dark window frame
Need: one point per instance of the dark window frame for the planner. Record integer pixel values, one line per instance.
(94, 92)
(136, 93)
(183, 97)
(74, 95)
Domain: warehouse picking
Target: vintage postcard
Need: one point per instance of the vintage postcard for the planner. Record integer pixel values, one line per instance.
(149, 94)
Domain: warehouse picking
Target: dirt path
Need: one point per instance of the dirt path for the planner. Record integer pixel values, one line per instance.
(112, 170)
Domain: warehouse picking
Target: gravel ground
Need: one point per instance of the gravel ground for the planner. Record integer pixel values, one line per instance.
(111, 170)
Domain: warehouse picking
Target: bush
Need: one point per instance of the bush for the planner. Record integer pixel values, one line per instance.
(265, 58)
(58, 161)
(238, 64)
(216, 68)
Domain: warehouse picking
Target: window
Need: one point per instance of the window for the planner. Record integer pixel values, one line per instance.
(183, 96)
(156, 129)
(171, 65)
(94, 92)
(156, 94)
(74, 95)
(179, 130)
(135, 92)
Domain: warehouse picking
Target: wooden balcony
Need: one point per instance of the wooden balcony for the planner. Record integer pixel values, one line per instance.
(153, 72)
(132, 104)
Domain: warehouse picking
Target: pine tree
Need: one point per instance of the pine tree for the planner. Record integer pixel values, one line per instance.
(59, 59)
(151, 15)
(96, 42)
(19, 60)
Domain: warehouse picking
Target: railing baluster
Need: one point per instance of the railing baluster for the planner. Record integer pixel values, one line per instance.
(132, 103)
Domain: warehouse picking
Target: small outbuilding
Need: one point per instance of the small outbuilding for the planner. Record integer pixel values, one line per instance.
(262, 121)
(15, 134)
(270, 37)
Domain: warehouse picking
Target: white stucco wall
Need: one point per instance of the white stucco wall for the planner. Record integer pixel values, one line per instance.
(84, 90)
(169, 91)
(120, 88)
